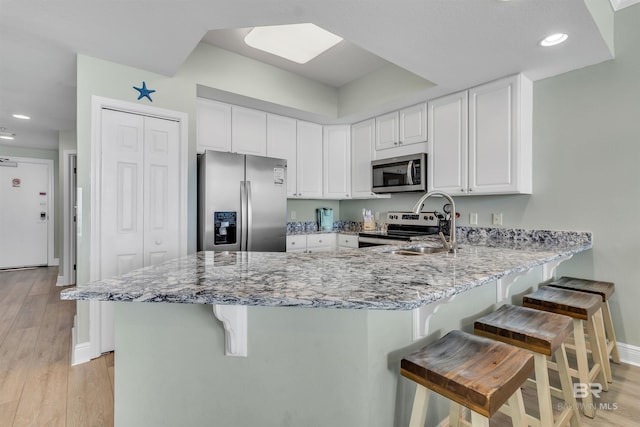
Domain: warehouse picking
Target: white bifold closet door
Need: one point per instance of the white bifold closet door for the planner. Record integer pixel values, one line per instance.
(139, 203)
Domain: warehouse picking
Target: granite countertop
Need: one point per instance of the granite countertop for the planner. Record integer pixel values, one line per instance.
(367, 278)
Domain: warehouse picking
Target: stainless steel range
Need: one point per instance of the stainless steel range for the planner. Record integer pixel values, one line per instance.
(406, 227)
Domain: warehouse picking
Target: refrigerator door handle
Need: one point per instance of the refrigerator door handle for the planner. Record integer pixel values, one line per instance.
(249, 213)
(243, 216)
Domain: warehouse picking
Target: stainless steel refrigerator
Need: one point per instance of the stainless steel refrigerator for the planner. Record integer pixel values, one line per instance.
(242, 203)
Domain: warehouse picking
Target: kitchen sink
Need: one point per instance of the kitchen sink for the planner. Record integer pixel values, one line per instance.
(416, 251)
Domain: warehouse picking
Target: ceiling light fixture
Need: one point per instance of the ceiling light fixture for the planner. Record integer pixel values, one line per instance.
(553, 39)
(21, 117)
(299, 43)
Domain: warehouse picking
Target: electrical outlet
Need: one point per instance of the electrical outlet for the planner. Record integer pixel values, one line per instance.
(293, 214)
(497, 218)
(473, 218)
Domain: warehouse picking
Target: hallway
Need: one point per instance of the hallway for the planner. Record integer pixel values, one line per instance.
(37, 385)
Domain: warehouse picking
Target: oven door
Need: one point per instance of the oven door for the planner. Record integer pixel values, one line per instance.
(366, 241)
(406, 173)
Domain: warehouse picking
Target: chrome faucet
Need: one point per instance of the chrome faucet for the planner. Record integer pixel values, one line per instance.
(451, 245)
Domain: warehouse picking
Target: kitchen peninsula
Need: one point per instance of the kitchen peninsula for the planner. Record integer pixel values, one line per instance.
(324, 331)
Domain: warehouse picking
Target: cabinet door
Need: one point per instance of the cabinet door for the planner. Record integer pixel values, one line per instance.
(281, 144)
(309, 158)
(297, 243)
(362, 143)
(387, 135)
(496, 144)
(413, 124)
(213, 126)
(248, 131)
(447, 140)
(336, 161)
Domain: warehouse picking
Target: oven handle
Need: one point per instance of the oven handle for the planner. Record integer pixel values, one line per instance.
(377, 241)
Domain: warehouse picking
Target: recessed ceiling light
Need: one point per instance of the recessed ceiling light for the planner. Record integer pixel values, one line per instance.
(6, 135)
(297, 42)
(553, 39)
(21, 116)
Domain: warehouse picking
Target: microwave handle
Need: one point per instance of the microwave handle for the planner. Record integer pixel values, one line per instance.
(410, 172)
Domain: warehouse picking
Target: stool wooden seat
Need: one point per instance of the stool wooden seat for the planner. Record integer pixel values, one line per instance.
(580, 306)
(605, 290)
(471, 371)
(543, 334)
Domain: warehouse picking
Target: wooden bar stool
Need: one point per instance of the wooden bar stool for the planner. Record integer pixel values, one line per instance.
(471, 371)
(543, 334)
(580, 306)
(605, 290)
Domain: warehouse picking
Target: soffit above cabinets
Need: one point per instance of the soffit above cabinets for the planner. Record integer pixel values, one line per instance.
(454, 45)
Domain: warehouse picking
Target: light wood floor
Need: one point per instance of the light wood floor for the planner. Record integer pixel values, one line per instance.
(37, 385)
(39, 388)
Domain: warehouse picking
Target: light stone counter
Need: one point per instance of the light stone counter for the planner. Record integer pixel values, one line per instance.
(368, 278)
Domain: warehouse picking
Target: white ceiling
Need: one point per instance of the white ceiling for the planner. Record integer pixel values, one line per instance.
(453, 43)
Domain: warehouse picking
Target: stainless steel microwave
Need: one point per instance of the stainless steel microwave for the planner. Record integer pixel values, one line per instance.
(398, 174)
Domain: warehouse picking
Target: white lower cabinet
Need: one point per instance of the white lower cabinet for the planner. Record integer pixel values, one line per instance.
(323, 242)
(347, 241)
(319, 242)
(297, 243)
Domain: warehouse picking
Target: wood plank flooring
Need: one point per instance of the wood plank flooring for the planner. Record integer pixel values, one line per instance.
(39, 388)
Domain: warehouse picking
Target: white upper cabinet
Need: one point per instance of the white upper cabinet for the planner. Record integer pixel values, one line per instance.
(213, 122)
(447, 154)
(480, 139)
(413, 124)
(402, 132)
(337, 162)
(248, 131)
(500, 133)
(309, 160)
(387, 131)
(281, 144)
(362, 143)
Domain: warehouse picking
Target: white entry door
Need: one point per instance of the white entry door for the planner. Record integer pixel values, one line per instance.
(139, 209)
(24, 214)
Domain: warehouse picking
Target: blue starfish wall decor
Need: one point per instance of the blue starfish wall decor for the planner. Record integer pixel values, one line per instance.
(144, 92)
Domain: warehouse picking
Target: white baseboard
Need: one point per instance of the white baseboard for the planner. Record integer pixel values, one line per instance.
(62, 281)
(629, 353)
(80, 353)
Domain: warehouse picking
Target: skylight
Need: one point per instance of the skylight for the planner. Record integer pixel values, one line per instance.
(299, 43)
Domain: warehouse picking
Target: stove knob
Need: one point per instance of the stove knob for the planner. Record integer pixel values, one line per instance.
(431, 217)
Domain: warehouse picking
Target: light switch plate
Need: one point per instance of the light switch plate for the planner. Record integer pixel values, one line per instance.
(497, 218)
(473, 218)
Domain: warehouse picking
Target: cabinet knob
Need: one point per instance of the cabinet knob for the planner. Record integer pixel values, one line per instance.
(293, 243)
(319, 241)
(400, 142)
(470, 190)
(347, 195)
(462, 190)
(395, 143)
